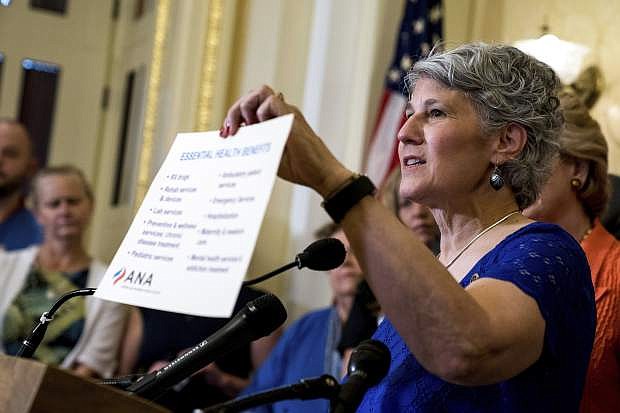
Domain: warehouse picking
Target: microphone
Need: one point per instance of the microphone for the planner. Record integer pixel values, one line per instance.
(323, 387)
(322, 255)
(257, 319)
(370, 362)
(30, 343)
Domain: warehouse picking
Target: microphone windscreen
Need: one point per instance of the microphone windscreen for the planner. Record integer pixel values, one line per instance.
(371, 357)
(322, 255)
(265, 314)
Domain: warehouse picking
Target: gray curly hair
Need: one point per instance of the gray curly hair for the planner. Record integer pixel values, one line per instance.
(505, 86)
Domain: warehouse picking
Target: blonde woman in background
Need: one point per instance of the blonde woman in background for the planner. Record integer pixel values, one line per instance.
(85, 333)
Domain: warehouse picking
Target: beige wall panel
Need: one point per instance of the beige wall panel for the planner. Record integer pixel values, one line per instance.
(30, 33)
(592, 23)
(270, 47)
(130, 48)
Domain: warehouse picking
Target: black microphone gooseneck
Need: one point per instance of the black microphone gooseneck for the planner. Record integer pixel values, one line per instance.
(369, 363)
(323, 387)
(30, 343)
(257, 319)
(322, 255)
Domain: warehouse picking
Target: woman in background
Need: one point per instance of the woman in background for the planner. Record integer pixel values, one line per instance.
(85, 333)
(313, 345)
(416, 217)
(574, 198)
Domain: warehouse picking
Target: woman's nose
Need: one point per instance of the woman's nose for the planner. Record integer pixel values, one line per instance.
(411, 131)
(419, 210)
(64, 207)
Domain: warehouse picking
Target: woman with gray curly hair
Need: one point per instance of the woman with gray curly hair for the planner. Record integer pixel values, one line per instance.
(503, 318)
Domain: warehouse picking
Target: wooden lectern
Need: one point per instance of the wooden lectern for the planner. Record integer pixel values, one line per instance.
(34, 387)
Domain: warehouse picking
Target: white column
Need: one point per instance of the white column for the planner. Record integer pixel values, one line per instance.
(339, 77)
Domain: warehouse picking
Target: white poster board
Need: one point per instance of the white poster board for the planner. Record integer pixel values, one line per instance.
(190, 243)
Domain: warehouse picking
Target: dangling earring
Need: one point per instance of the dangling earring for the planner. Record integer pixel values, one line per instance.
(496, 180)
(575, 183)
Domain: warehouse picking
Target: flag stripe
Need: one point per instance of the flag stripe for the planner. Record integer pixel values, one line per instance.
(384, 142)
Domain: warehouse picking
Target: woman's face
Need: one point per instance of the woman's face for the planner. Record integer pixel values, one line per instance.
(344, 279)
(418, 219)
(63, 208)
(441, 148)
(555, 196)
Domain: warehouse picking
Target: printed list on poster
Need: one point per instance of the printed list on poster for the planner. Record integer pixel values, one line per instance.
(190, 243)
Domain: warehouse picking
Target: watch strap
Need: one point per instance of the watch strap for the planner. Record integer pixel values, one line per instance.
(345, 198)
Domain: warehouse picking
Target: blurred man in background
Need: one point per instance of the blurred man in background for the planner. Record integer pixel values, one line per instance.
(18, 227)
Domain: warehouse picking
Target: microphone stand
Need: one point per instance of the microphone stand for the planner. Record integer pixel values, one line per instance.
(30, 343)
(322, 255)
(271, 274)
(325, 386)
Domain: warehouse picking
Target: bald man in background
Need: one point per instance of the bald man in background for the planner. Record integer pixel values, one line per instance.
(18, 227)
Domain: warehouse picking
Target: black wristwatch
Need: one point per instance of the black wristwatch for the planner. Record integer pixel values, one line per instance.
(344, 198)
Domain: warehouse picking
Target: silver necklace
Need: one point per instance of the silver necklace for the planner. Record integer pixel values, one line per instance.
(481, 233)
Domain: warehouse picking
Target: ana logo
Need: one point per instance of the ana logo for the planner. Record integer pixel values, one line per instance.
(132, 277)
(119, 275)
(140, 278)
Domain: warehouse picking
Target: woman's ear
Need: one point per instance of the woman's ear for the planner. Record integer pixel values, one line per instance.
(510, 143)
(580, 170)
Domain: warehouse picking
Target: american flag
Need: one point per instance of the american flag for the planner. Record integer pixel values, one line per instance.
(420, 29)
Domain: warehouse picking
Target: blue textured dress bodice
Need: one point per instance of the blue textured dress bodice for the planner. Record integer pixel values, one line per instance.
(547, 264)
